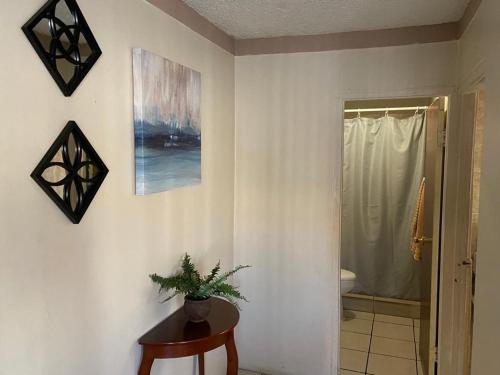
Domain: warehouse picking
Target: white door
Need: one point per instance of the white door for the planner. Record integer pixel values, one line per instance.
(472, 111)
(433, 172)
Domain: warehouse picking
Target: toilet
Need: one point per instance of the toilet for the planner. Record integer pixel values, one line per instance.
(347, 282)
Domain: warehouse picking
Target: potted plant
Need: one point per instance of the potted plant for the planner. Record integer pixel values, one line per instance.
(198, 290)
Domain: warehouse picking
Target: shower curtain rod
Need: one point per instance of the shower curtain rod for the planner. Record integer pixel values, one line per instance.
(386, 109)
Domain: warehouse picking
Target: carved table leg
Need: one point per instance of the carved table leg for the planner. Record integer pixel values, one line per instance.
(146, 363)
(232, 355)
(201, 364)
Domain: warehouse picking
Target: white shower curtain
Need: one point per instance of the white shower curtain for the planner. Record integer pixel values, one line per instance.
(383, 167)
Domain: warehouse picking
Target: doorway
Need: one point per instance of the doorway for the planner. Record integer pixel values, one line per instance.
(393, 159)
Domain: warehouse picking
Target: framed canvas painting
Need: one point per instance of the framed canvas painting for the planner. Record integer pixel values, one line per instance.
(167, 124)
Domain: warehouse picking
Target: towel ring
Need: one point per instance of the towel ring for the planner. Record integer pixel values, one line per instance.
(422, 240)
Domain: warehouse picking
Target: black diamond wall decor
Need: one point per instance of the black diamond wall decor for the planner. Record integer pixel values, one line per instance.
(71, 172)
(64, 42)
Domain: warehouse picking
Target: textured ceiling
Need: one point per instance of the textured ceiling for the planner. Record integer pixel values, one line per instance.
(269, 18)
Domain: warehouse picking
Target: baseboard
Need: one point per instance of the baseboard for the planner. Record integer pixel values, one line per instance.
(381, 305)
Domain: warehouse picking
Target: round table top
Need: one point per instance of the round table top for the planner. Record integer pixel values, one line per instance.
(177, 329)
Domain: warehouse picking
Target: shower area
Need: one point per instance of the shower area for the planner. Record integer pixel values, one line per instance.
(383, 172)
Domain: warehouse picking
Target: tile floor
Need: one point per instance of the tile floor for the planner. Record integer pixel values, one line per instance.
(376, 344)
(379, 344)
(246, 372)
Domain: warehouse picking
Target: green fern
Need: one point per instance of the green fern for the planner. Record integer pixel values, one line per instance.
(189, 282)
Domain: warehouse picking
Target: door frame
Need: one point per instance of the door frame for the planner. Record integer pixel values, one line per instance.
(437, 232)
(446, 274)
(460, 317)
(467, 317)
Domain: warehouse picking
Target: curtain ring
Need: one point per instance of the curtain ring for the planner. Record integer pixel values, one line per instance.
(387, 112)
(359, 113)
(416, 112)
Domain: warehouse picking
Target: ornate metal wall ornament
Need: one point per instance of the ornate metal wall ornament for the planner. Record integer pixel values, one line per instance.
(64, 42)
(71, 172)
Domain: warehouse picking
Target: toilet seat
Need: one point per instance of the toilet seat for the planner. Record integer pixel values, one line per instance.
(346, 275)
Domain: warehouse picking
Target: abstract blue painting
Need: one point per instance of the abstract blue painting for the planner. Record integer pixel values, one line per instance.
(167, 124)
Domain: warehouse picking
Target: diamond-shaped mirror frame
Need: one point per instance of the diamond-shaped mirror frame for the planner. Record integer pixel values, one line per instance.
(73, 178)
(71, 34)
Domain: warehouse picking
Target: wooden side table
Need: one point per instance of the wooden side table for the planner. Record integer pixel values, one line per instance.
(177, 337)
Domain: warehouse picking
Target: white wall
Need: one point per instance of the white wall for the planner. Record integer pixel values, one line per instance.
(287, 189)
(480, 55)
(75, 298)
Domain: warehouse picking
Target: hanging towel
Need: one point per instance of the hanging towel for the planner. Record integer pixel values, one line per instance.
(417, 228)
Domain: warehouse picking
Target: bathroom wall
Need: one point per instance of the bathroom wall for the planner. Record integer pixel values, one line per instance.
(287, 189)
(75, 298)
(479, 55)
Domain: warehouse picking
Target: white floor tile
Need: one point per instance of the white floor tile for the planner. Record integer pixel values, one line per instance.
(383, 365)
(348, 372)
(357, 325)
(416, 322)
(246, 372)
(417, 349)
(393, 331)
(351, 314)
(417, 334)
(354, 341)
(394, 348)
(353, 360)
(396, 309)
(393, 319)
